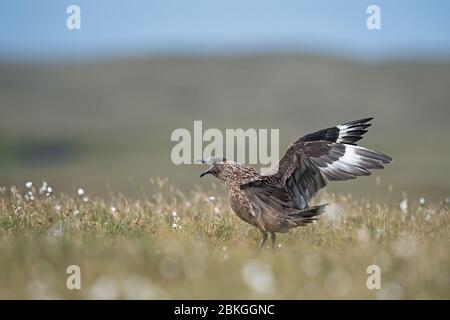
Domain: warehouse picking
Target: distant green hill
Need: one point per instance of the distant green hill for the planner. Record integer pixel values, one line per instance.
(88, 124)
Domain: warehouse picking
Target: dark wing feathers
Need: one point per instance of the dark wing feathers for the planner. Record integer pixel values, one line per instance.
(308, 166)
(326, 155)
(349, 132)
(281, 199)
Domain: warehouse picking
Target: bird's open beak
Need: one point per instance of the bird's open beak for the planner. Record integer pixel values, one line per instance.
(205, 173)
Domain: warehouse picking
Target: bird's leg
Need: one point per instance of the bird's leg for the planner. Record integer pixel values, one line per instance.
(263, 240)
(273, 237)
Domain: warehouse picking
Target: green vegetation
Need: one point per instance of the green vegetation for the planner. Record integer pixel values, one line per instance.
(88, 124)
(95, 125)
(167, 244)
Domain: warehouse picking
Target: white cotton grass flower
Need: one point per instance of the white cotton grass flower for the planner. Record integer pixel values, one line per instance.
(225, 255)
(379, 233)
(113, 210)
(13, 190)
(29, 184)
(43, 187)
(104, 288)
(378, 181)
(130, 287)
(175, 218)
(404, 205)
(429, 213)
(29, 196)
(56, 230)
(49, 191)
(422, 201)
(259, 277)
(82, 195)
(334, 212)
(138, 288)
(211, 199)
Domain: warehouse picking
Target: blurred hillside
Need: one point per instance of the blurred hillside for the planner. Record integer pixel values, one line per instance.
(97, 123)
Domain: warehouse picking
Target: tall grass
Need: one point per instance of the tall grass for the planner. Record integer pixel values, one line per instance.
(166, 244)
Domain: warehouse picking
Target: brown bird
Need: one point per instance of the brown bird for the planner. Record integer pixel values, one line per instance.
(279, 201)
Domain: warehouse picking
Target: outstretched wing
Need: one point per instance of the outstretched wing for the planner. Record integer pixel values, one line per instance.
(349, 132)
(327, 155)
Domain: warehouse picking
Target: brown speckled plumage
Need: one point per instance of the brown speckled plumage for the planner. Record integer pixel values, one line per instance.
(278, 202)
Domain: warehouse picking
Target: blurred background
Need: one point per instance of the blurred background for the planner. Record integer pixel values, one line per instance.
(97, 106)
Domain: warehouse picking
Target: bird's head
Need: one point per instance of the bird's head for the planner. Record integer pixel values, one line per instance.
(222, 168)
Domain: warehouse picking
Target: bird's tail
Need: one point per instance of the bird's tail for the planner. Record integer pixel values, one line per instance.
(307, 215)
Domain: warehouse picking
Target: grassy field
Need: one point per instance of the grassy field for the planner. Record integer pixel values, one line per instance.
(162, 243)
(106, 126)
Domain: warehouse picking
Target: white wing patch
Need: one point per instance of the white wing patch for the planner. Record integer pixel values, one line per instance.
(354, 162)
(352, 131)
(344, 131)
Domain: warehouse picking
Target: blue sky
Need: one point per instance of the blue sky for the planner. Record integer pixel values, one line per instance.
(36, 30)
